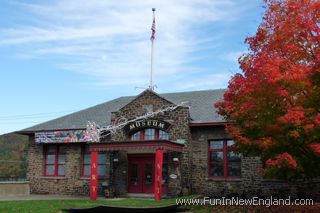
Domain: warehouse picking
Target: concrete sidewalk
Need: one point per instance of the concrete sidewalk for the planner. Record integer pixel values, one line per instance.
(45, 197)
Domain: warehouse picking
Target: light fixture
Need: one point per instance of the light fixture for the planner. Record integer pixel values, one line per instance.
(116, 160)
(175, 162)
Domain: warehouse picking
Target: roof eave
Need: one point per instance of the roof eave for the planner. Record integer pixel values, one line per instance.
(30, 132)
(224, 123)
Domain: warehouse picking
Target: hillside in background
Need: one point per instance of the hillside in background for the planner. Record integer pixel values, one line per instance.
(13, 149)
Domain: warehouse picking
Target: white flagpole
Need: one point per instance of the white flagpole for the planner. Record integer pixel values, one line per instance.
(153, 29)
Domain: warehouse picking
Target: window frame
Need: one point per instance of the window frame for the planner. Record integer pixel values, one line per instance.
(152, 136)
(83, 164)
(143, 135)
(56, 163)
(84, 152)
(160, 135)
(225, 152)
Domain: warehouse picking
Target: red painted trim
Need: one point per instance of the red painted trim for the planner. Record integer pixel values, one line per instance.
(158, 174)
(45, 160)
(142, 134)
(51, 164)
(82, 160)
(56, 160)
(131, 145)
(209, 159)
(147, 155)
(94, 175)
(225, 160)
(83, 153)
(209, 124)
(56, 163)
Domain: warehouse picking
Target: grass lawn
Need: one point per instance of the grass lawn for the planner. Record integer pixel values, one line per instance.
(255, 209)
(55, 206)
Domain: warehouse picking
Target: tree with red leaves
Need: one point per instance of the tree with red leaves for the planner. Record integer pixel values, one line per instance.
(274, 106)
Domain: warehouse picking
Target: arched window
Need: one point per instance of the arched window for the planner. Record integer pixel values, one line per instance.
(163, 135)
(149, 134)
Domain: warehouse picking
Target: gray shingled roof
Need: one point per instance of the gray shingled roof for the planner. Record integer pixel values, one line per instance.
(201, 110)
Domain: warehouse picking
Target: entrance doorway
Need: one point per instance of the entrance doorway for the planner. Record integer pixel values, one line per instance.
(141, 174)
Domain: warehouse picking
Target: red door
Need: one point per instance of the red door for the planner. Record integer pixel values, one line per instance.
(141, 175)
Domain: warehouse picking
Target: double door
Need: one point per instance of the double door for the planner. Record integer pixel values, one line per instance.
(141, 175)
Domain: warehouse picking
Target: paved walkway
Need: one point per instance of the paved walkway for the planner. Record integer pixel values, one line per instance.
(49, 197)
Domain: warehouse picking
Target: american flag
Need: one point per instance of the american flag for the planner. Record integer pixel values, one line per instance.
(153, 29)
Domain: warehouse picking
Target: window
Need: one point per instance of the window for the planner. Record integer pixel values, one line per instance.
(223, 163)
(86, 163)
(54, 160)
(136, 136)
(163, 135)
(149, 134)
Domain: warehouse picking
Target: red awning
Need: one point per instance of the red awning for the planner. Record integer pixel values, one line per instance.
(137, 146)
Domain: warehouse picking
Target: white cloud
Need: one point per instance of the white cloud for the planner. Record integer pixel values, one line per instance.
(218, 80)
(109, 40)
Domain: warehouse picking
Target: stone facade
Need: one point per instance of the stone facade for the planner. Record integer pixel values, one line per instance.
(72, 183)
(250, 184)
(179, 119)
(191, 169)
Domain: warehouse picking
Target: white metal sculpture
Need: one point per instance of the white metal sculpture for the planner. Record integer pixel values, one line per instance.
(95, 132)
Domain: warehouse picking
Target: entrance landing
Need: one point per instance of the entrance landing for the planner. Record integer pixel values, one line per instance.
(143, 195)
(140, 195)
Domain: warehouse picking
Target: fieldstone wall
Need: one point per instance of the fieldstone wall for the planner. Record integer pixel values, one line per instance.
(120, 173)
(174, 185)
(71, 184)
(179, 119)
(191, 170)
(251, 182)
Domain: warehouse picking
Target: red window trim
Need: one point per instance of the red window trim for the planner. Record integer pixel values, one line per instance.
(56, 163)
(225, 160)
(83, 153)
(142, 134)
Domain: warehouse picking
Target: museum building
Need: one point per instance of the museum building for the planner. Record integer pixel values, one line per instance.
(163, 144)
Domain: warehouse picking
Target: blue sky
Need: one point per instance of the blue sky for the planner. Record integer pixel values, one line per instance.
(62, 56)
